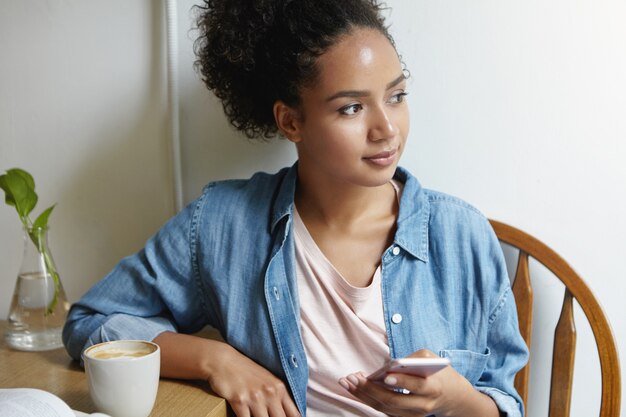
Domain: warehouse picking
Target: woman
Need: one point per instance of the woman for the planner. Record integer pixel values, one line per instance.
(317, 274)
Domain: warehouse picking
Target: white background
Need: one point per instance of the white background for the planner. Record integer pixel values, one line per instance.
(517, 107)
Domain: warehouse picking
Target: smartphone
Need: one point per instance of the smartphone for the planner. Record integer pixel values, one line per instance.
(415, 366)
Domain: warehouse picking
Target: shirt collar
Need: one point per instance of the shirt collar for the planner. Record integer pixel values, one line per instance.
(283, 204)
(412, 224)
(413, 217)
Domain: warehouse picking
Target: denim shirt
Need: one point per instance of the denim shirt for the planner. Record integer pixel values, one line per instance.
(227, 260)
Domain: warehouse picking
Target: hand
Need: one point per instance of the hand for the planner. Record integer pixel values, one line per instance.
(445, 393)
(250, 389)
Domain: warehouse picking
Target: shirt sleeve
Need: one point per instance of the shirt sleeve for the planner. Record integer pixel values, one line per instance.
(508, 350)
(152, 291)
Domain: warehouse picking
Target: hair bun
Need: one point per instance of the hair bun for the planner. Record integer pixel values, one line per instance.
(252, 53)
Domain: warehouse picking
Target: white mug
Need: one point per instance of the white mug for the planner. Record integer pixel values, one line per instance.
(123, 376)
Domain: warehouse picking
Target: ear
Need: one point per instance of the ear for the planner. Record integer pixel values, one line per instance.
(288, 121)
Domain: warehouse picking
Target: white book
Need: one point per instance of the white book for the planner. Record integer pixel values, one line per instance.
(31, 402)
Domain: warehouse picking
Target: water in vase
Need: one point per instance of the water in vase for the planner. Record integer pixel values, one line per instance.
(36, 316)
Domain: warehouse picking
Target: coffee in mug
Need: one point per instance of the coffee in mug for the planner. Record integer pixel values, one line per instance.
(123, 376)
(121, 353)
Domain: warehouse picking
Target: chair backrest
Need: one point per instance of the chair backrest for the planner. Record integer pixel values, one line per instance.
(565, 333)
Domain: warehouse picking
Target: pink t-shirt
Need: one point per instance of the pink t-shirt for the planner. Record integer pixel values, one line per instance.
(342, 326)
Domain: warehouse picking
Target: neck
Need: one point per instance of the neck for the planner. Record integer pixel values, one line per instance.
(344, 203)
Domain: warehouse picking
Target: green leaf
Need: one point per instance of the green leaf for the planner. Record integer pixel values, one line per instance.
(42, 220)
(20, 192)
(30, 181)
(8, 195)
(23, 194)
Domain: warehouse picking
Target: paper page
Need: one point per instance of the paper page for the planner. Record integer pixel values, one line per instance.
(30, 402)
(27, 402)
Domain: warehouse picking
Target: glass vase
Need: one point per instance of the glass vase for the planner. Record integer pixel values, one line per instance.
(39, 305)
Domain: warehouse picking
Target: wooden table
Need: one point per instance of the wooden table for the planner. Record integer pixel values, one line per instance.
(56, 372)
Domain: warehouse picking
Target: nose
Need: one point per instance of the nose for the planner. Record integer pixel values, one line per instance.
(382, 125)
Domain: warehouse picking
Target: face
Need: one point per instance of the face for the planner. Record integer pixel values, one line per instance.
(353, 122)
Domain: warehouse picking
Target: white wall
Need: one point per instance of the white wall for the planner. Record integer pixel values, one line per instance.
(520, 108)
(517, 107)
(83, 108)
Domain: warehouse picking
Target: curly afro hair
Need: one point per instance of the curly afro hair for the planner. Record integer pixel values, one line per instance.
(252, 53)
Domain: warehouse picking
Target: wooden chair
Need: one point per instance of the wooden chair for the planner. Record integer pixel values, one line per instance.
(565, 333)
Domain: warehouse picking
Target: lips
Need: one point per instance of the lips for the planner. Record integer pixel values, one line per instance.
(384, 158)
(382, 155)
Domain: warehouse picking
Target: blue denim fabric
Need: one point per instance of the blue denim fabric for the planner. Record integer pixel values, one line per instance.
(227, 260)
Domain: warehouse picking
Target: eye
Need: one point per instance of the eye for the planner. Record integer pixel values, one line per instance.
(351, 109)
(398, 98)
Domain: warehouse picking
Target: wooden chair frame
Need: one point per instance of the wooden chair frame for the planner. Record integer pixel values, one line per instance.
(565, 333)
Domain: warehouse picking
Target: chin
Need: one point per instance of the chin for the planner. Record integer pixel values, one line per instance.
(379, 178)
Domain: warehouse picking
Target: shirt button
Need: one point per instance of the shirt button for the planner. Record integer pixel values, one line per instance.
(396, 318)
(396, 250)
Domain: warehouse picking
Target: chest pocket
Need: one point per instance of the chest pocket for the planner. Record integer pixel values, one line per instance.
(467, 363)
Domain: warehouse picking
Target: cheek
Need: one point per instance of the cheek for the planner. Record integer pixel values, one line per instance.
(351, 139)
(403, 122)
(346, 136)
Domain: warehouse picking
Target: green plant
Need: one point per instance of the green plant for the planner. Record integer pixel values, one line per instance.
(19, 190)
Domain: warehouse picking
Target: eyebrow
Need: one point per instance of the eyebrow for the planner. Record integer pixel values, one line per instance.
(364, 93)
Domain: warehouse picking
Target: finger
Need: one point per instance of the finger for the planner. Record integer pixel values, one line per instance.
(351, 384)
(279, 403)
(368, 392)
(388, 401)
(414, 384)
(276, 410)
(344, 384)
(259, 410)
(240, 410)
(289, 407)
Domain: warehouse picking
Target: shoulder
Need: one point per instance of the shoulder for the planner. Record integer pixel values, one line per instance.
(445, 203)
(454, 218)
(439, 208)
(442, 219)
(453, 213)
(258, 184)
(254, 193)
(243, 203)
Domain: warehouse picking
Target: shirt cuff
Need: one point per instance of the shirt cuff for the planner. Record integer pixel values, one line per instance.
(126, 327)
(507, 405)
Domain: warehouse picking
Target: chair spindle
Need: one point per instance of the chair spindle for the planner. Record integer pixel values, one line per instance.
(523, 292)
(563, 360)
